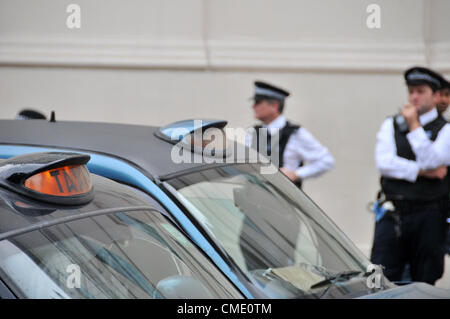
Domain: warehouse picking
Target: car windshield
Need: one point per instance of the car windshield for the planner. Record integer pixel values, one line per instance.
(134, 254)
(275, 234)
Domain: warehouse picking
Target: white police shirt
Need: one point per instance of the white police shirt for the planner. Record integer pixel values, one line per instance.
(429, 154)
(301, 147)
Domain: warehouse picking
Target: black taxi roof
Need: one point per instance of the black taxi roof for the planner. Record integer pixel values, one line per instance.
(19, 214)
(133, 143)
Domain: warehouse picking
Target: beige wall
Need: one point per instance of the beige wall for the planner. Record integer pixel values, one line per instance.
(153, 62)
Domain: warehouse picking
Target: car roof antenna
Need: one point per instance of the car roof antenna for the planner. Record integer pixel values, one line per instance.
(52, 117)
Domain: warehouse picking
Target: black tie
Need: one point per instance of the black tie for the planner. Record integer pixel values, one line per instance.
(269, 143)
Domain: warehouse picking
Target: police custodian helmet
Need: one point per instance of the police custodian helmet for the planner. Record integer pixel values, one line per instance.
(420, 76)
(264, 91)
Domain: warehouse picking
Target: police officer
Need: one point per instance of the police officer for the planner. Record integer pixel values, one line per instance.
(296, 146)
(412, 153)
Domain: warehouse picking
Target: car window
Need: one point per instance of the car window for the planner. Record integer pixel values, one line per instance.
(267, 226)
(135, 254)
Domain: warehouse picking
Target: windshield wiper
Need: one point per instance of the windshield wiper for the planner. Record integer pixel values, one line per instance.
(337, 277)
(333, 279)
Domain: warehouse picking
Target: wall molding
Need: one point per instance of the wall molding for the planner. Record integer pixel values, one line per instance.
(110, 53)
(324, 55)
(330, 55)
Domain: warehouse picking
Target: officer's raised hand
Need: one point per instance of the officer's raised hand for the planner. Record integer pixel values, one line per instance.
(411, 114)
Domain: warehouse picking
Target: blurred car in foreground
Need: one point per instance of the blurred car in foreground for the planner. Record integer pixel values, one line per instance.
(263, 233)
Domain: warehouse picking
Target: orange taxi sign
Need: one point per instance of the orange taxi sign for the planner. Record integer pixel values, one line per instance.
(65, 181)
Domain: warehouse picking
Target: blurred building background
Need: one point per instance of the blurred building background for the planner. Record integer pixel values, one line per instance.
(157, 61)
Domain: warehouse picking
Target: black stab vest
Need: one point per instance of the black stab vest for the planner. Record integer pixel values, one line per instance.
(285, 132)
(423, 189)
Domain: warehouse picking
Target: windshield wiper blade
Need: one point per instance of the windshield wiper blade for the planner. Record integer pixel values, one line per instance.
(336, 277)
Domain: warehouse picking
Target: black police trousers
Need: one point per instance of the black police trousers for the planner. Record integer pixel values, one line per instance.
(417, 238)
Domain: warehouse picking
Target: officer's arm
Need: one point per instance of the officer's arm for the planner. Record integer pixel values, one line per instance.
(388, 162)
(302, 146)
(431, 155)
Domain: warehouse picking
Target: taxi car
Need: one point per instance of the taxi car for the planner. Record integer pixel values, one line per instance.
(263, 233)
(65, 233)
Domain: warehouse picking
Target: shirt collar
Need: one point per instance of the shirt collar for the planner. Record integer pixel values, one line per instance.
(278, 123)
(428, 117)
